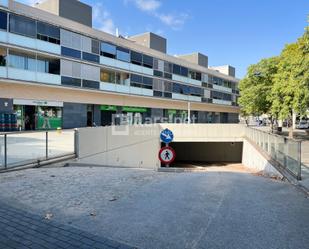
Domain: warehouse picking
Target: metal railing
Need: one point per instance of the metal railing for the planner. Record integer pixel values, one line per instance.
(23, 148)
(285, 151)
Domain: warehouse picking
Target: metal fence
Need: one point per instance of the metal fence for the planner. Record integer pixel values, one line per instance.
(286, 151)
(22, 148)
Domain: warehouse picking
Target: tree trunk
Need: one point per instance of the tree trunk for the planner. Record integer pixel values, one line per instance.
(291, 134)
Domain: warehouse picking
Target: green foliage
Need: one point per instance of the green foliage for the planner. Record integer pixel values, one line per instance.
(279, 85)
(256, 87)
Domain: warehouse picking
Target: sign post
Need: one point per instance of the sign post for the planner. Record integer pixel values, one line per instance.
(167, 154)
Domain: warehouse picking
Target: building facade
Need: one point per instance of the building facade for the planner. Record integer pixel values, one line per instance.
(57, 71)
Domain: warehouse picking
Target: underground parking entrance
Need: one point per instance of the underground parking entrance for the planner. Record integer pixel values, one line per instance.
(205, 154)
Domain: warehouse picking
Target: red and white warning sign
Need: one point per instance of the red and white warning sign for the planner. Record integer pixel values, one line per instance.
(167, 155)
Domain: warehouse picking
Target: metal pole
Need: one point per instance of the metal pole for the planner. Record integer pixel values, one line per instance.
(300, 162)
(46, 144)
(189, 112)
(5, 152)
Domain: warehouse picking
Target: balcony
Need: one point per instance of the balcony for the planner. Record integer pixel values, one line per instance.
(27, 42)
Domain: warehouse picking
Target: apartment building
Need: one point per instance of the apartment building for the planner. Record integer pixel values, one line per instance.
(55, 66)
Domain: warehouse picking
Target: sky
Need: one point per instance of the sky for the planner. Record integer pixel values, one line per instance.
(234, 32)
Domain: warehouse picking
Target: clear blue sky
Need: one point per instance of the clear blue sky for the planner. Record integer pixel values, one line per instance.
(235, 32)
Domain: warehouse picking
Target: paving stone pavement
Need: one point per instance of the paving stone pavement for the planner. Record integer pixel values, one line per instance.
(20, 229)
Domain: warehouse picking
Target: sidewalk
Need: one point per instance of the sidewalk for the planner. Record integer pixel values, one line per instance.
(19, 229)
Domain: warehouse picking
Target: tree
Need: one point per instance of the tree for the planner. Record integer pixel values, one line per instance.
(255, 88)
(290, 92)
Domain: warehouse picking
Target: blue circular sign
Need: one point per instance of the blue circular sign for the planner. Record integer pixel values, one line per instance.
(167, 136)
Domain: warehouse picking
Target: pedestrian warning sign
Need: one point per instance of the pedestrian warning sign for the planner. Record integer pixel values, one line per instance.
(167, 155)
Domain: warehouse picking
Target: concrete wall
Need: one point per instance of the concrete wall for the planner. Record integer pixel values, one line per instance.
(252, 158)
(208, 152)
(206, 132)
(122, 146)
(151, 40)
(70, 9)
(195, 58)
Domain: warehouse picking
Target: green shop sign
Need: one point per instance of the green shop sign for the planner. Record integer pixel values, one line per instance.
(124, 109)
(108, 108)
(134, 109)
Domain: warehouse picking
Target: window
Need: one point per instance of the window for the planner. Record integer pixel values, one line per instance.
(108, 50)
(68, 81)
(168, 76)
(157, 73)
(70, 52)
(3, 20)
(91, 84)
(195, 75)
(196, 91)
(91, 57)
(95, 46)
(220, 95)
(182, 89)
(139, 81)
(21, 61)
(184, 71)
(168, 86)
(147, 82)
(122, 78)
(168, 67)
(147, 61)
(2, 57)
(176, 69)
(136, 58)
(48, 33)
(22, 25)
(107, 76)
(158, 65)
(123, 54)
(136, 78)
(51, 66)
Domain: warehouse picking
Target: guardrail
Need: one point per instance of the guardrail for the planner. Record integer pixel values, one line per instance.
(285, 151)
(23, 148)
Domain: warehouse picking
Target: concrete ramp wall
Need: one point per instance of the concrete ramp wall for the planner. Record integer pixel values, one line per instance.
(123, 146)
(138, 145)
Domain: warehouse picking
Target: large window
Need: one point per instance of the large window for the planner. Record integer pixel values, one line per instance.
(108, 50)
(91, 57)
(136, 58)
(47, 65)
(139, 81)
(2, 57)
(107, 76)
(91, 84)
(49, 33)
(181, 89)
(195, 75)
(22, 25)
(147, 61)
(70, 52)
(221, 96)
(22, 61)
(196, 91)
(123, 54)
(3, 20)
(68, 81)
(122, 78)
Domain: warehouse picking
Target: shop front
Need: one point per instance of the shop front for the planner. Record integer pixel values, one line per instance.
(37, 114)
(111, 114)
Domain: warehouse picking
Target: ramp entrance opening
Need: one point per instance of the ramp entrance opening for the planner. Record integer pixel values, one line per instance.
(204, 154)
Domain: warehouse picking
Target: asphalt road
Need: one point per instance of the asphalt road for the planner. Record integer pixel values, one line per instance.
(149, 209)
